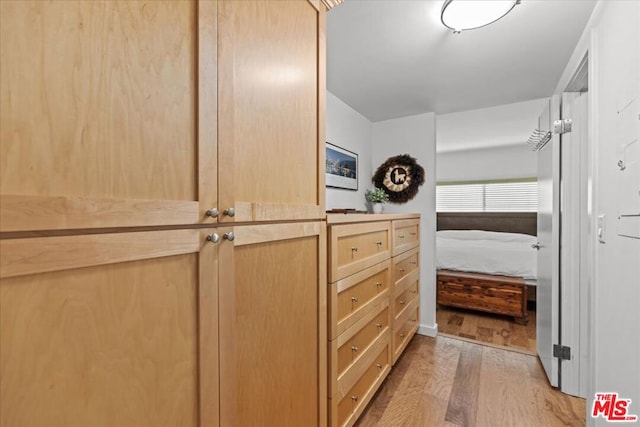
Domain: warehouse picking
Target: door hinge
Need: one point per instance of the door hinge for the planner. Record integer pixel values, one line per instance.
(562, 126)
(562, 352)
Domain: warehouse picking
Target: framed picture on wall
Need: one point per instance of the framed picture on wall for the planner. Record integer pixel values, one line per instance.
(341, 170)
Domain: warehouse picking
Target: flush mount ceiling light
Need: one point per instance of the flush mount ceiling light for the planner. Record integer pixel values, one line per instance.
(462, 15)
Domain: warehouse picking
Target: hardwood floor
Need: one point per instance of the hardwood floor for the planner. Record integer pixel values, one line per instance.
(448, 382)
(492, 329)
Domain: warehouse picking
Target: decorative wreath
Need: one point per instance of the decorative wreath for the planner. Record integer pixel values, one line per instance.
(399, 177)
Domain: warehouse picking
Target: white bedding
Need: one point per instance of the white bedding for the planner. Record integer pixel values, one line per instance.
(507, 254)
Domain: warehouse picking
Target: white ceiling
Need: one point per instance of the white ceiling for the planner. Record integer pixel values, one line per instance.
(394, 58)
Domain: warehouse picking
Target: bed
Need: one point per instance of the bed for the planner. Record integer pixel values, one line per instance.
(485, 262)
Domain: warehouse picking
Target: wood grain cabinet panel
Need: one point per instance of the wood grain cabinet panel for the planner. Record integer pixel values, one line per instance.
(406, 235)
(100, 115)
(113, 343)
(405, 326)
(272, 324)
(271, 109)
(146, 113)
(354, 247)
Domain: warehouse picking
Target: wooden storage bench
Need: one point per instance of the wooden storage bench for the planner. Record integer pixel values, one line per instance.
(493, 294)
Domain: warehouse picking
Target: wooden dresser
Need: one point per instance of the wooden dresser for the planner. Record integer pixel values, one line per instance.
(373, 305)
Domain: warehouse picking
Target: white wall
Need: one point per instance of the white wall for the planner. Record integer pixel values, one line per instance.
(416, 136)
(612, 39)
(508, 162)
(350, 130)
(498, 126)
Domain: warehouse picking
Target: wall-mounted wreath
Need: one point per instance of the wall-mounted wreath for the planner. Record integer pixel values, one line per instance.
(400, 177)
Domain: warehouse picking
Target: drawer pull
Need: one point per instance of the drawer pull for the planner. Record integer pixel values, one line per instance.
(413, 320)
(379, 325)
(401, 302)
(354, 249)
(229, 212)
(401, 335)
(354, 398)
(213, 238)
(354, 299)
(213, 213)
(402, 270)
(229, 236)
(379, 243)
(413, 233)
(400, 237)
(413, 291)
(354, 349)
(378, 284)
(413, 262)
(379, 366)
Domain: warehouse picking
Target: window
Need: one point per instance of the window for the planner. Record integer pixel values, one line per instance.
(520, 196)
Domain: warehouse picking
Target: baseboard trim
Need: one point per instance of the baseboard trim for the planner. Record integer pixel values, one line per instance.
(428, 331)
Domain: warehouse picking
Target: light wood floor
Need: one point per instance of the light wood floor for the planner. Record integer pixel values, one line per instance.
(489, 328)
(448, 382)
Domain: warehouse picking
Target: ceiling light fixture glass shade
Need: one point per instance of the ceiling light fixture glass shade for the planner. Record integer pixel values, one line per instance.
(462, 15)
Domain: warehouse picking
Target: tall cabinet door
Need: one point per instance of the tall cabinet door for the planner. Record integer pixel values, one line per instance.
(273, 325)
(103, 330)
(108, 114)
(271, 95)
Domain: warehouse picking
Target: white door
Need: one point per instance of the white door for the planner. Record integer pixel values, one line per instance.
(574, 244)
(547, 305)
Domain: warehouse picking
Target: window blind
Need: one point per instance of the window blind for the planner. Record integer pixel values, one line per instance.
(488, 197)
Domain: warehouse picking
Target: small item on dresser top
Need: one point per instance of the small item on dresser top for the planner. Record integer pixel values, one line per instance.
(346, 211)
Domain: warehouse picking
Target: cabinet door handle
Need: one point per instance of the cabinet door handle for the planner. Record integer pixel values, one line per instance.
(229, 236)
(213, 213)
(413, 262)
(414, 234)
(354, 299)
(401, 335)
(379, 325)
(213, 238)
(379, 243)
(413, 291)
(401, 237)
(378, 284)
(401, 302)
(402, 270)
(354, 249)
(229, 212)
(354, 398)
(354, 349)
(379, 366)
(413, 320)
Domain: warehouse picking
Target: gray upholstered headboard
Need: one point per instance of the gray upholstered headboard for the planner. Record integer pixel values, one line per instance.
(508, 222)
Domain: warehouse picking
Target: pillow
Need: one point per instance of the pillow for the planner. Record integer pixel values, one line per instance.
(486, 235)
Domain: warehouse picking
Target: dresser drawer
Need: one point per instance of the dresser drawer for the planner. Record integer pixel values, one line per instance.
(406, 235)
(360, 387)
(352, 344)
(354, 247)
(405, 327)
(403, 300)
(356, 296)
(405, 263)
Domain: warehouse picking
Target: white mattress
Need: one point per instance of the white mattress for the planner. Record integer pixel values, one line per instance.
(507, 254)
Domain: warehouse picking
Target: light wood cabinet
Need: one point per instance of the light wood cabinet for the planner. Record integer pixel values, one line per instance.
(145, 113)
(373, 305)
(163, 255)
(108, 329)
(272, 323)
